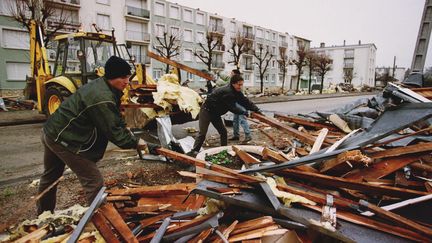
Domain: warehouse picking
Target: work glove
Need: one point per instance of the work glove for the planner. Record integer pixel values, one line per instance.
(142, 146)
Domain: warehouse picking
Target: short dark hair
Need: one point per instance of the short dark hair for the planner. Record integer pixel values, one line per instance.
(236, 72)
(236, 78)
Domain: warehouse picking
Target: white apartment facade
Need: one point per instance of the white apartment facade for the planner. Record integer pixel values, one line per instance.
(137, 22)
(351, 63)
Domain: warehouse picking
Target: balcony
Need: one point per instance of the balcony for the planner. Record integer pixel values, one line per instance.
(283, 44)
(217, 29)
(349, 55)
(248, 35)
(348, 65)
(66, 4)
(67, 26)
(137, 36)
(248, 67)
(137, 13)
(143, 59)
(218, 65)
(219, 48)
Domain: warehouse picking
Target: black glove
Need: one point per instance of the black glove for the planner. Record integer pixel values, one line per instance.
(152, 147)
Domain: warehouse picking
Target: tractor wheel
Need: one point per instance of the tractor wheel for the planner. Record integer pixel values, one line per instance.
(54, 96)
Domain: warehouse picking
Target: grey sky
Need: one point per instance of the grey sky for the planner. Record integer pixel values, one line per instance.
(392, 25)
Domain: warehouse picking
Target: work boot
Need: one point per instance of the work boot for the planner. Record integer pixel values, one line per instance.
(192, 153)
(234, 138)
(247, 139)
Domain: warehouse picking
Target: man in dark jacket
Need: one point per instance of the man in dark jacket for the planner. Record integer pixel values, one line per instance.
(78, 132)
(219, 102)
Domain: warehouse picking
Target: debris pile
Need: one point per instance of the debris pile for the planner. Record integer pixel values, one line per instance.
(360, 173)
(15, 103)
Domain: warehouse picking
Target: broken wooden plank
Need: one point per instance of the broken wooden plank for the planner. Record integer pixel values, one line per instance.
(377, 225)
(104, 229)
(352, 184)
(111, 214)
(226, 232)
(304, 137)
(394, 152)
(177, 228)
(34, 236)
(160, 190)
(421, 166)
(220, 179)
(319, 141)
(201, 237)
(268, 135)
(144, 208)
(244, 156)
(258, 233)
(197, 162)
(279, 157)
(304, 122)
(382, 168)
(253, 224)
(352, 156)
(118, 198)
(224, 190)
(152, 220)
(425, 130)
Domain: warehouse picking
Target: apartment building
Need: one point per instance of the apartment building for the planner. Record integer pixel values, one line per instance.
(351, 63)
(138, 23)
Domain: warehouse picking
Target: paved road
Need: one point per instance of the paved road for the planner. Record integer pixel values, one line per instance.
(21, 153)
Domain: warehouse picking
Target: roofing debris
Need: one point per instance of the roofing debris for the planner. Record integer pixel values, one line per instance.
(369, 180)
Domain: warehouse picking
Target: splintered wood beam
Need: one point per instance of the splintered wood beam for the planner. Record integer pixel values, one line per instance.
(422, 167)
(244, 156)
(377, 225)
(179, 65)
(411, 149)
(110, 213)
(159, 190)
(253, 224)
(118, 198)
(220, 179)
(226, 232)
(382, 168)
(104, 229)
(278, 157)
(177, 228)
(304, 137)
(402, 137)
(352, 184)
(258, 233)
(201, 163)
(353, 155)
(202, 236)
(153, 220)
(304, 122)
(319, 141)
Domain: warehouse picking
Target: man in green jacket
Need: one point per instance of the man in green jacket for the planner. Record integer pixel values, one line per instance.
(77, 134)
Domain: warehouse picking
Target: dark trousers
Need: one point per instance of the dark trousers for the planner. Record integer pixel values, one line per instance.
(55, 158)
(204, 121)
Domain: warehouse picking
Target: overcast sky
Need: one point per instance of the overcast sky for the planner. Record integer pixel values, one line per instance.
(392, 25)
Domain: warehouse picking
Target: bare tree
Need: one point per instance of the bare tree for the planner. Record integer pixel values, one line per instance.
(323, 65)
(385, 77)
(207, 47)
(239, 45)
(300, 62)
(40, 11)
(284, 62)
(263, 57)
(311, 61)
(167, 45)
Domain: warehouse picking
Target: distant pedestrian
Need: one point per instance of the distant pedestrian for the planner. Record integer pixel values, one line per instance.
(240, 120)
(219, 102)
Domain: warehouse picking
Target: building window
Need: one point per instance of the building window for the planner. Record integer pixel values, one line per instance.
(273, 63)
(174, 12)
(157, 73)
(106, 2)
(232, 26)
(160, 9)
(159, 30)
(246, 77)
(135, 31)
(140, 52)
(274, 50)
(199, 52)
(175, 31)
(259, 33)
(188, 35)
(200, 37)
(200, 18)
(273, 78)
(187, 15)
(103, 21)
(274, 36)
(267, 35)
(187, 55)
(190, 76)
(17, 71)
(15, 39)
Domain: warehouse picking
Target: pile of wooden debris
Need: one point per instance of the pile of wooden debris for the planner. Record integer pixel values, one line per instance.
(338, 176)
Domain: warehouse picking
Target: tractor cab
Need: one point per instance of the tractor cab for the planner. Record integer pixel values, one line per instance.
(82, 56)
